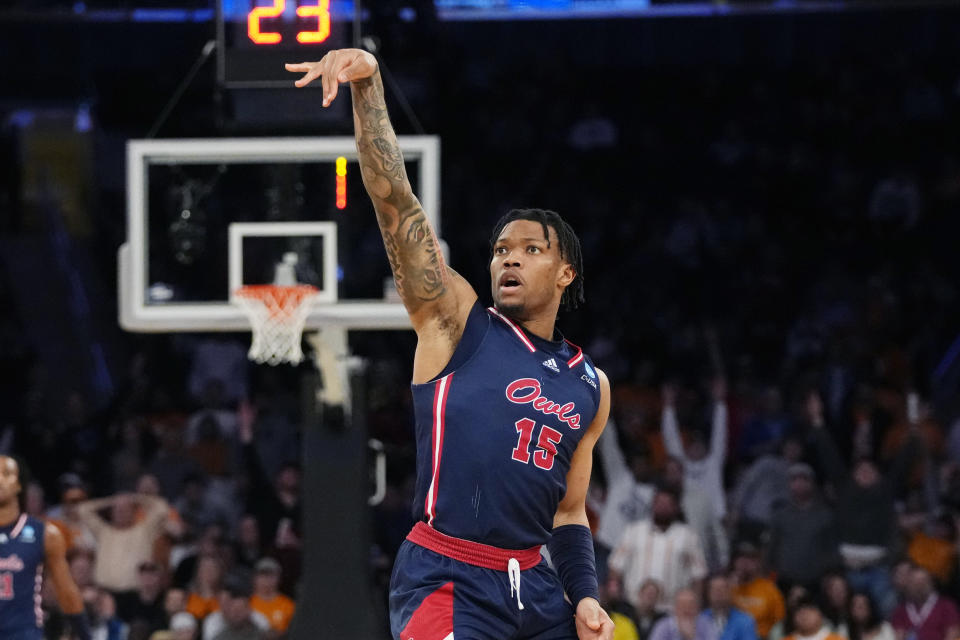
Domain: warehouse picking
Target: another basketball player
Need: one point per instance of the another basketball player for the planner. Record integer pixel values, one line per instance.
(507, 411)
(27, 545)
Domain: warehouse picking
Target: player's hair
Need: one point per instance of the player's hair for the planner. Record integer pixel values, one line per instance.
(569, 245)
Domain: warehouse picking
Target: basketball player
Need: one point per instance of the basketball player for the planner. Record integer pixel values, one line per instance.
(507, 411)
(27, 545)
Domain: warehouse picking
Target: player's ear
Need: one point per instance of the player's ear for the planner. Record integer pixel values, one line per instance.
(566, 275)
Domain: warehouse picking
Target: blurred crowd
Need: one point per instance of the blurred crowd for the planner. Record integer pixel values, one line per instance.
(771, 287)
(197, 535)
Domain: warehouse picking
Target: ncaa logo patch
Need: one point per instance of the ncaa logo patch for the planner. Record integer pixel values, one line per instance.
(590, 371)
(28, 534)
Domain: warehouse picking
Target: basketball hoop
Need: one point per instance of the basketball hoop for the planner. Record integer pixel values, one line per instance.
(277, 316)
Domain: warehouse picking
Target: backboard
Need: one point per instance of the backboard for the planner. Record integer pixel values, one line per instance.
(205, 217)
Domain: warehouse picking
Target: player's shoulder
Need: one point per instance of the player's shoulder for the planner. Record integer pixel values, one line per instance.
(53, 536)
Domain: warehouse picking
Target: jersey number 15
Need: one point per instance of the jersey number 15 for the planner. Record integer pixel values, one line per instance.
(6, 586)
(546, 444)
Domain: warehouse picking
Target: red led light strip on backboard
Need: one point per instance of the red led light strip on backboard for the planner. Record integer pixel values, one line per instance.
(341, 183)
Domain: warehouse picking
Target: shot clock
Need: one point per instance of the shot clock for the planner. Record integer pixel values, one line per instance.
(257, 37)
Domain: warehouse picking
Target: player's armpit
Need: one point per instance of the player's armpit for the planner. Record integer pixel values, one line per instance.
(572, 509)
(55, 559)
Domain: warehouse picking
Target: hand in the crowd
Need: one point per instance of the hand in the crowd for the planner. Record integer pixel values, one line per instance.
(669, 394)
(246, 416)
(340, 65)
(815, 409)
(718, 389)
(593, 623)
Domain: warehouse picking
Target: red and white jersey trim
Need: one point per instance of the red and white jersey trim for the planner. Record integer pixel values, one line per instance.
(440, 396)
(577, 358)
(571, 363)
(523, 338)
(19, 526)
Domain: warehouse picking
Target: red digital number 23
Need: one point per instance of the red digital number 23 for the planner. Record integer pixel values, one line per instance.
(320, 11)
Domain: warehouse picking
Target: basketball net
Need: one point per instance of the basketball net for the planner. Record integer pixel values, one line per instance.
(277, 316)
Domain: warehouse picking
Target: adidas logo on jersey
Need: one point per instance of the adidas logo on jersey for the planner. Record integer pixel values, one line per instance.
(551, 364)
(3, 538)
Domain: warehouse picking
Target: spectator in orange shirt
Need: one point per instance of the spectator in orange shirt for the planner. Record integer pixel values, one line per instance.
(936, 551)
(202, 597)
(267, 599)
(755, 593)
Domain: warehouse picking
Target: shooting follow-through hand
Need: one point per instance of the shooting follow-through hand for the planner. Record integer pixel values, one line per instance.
(341, 65)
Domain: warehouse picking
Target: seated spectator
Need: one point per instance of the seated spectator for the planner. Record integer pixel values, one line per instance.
(925, 615)
(102, 613)
(835, 601)
(802, 533)
(646, 614)
(235, 620)
(662, 548)
(274, 502)
(196, 507)
(183, 626)
(762, 489)
(204, 591)
(640, 620)
(144, 607)
(73, 491)
(247, 548)
(174, 602)
(172, 464)
(267, 599)
(864, 621)
(122, 542)
(808, 623)
(81, 566)
(185, 556)
(795, 595)
(685, 623)
(900, 578)
(729, 622)
(754, 592)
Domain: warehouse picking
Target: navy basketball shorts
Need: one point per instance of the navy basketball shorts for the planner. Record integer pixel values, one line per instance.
(445, 588)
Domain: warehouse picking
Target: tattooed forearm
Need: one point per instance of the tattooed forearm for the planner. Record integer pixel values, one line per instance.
(412, 247)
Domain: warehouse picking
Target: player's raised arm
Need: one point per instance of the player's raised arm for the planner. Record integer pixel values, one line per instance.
(433, 294)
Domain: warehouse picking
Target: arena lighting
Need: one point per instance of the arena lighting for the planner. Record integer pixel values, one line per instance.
(341, 183)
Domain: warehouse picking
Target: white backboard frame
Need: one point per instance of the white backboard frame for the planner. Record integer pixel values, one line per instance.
(136, 315)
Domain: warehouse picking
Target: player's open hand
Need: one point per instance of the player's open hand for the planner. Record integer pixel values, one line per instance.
(593, 623)
(340, 65)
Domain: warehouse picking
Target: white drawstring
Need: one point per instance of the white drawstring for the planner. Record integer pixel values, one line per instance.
(513, 571)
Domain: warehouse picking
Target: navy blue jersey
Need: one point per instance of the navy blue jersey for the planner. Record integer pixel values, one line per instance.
(496, 431)
(21, 576)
